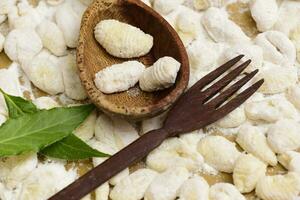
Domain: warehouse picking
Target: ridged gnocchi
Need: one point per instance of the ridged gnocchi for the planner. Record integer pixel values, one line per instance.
(250, 51)
(277, 78)
(134, 186)
(166, 6)
(265, 13)
(290, 160)
(279, 187)
(284, 136)
(52, 38)
(293, 95)
(68, 22)
(253, 141)
(195, 188)
(45, 73)
(222, 29)
(73, 87)
(219, 152)
(86, 130)
(271, 109)
(22, 45)
(277, 48)
(233, 119)
(204, 4)
(122, 40)
(224, 191)
(173, 152)
(161, 75)
(166, 186)
(247, 171)
(115, 79)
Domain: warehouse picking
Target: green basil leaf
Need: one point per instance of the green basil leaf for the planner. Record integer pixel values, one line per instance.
(71, 148)
(32, 132)
(18, 106)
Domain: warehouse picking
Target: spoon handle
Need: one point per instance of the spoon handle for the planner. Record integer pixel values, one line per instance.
(112, 166)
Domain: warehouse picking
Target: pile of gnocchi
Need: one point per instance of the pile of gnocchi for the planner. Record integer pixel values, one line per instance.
(253, 153)
(126, 41)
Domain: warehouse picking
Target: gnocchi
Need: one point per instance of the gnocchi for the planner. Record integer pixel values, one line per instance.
(52, 38)
(265, 13)
(2, 40)
(134, 186)
(222, 29)
(247, 171)
(70, 74)
(45, 73)
(195, 188)
(162, 74)
(253, 141)
(68, 21)
(122, 40)
(293, 95)
(224, 191)
(278, 187)
(115, 79)
(219, 152)
(22, 45)
(284, 136)
(290, 160)
(277, 48)
(165, 186)
(277, 79)
(166, 6)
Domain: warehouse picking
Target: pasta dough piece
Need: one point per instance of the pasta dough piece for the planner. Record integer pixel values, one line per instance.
(250, 51)
(165, 186)
(73, 87)
(166, 6)
(161, 75)
(119, 77)
(290, 160)
(293, 95)
(174, 152)
(17, 168)
(270, 109)
(277, 48)
(195, 188)
(122, 40)
(134, 186)
(46, 180)
(22, 45)
(277, 79)
(52, 38)
(286, 19)
(265, 13)
(219, 152)
(221, 29)
(233, 119)
(279, 187)
(284, 136)
(45, 103)
(45, 73)
(224, 191)
(247, 171)
(86, 130)
(69, 23)
(253, 141)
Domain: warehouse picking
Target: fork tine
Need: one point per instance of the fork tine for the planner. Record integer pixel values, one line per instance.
(223, 82)
(239, 99)
(216, 73)
(220, 99)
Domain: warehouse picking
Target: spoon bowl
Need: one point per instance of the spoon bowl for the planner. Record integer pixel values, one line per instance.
(133, 104)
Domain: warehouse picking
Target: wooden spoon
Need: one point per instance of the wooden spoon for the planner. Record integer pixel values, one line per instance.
(91, 58)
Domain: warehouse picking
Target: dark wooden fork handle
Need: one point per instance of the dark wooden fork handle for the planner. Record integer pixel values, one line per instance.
(112, 166)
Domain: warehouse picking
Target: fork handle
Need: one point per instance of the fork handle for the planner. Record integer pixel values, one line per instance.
(112, 166)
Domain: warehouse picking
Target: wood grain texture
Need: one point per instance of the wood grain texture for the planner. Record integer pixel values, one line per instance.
(91, 57)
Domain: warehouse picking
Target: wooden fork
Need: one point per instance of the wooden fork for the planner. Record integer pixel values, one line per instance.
(197, 108)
